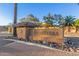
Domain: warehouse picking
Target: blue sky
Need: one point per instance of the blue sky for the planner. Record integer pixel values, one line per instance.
(37, 9)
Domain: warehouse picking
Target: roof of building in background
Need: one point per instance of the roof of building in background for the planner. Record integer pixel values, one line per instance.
(27, 24)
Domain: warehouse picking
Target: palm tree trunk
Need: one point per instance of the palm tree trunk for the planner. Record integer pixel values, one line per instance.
(15, 19)
(76, 29)
(63, 31)
(68, 28)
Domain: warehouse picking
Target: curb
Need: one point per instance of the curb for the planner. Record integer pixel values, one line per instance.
(35, 44)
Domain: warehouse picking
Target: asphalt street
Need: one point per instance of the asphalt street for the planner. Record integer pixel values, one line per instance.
(2, 37)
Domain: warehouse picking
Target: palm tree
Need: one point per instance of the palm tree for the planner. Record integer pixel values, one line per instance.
(69, 21)
(76, 24)
(15, 19)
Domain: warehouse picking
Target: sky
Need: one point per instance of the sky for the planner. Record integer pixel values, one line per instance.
(37, 9)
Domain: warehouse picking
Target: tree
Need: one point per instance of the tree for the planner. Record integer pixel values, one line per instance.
(48, 19)
(58, 19)
(29, 18)
(76, 24)
(69, 21)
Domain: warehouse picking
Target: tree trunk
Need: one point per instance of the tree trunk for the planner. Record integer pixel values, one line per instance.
(63, 31)
(76, 29)
(69, 28)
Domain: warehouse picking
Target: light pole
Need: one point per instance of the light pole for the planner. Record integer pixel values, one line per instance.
(15, 19)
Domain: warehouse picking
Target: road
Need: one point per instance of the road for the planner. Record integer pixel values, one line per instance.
(20, 48)
(2, 41)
